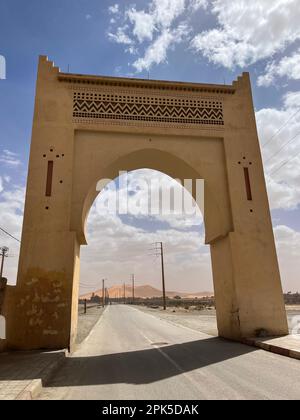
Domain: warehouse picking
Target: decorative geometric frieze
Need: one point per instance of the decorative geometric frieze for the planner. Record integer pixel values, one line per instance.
(160, 109)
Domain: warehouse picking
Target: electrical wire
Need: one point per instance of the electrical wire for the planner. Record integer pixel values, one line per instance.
(280, 128)
(283, 164)
(9, 234)
(286, 144)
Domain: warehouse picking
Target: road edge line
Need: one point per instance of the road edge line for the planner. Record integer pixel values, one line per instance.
(78, 346)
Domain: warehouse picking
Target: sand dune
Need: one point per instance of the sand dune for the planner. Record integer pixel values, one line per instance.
(145, 291)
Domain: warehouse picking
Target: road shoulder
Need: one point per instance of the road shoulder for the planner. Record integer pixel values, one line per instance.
(288, 346)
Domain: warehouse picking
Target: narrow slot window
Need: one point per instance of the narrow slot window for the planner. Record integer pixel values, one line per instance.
(49, 178)
(248, 184)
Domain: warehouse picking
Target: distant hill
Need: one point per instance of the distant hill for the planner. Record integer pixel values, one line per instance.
(145, 291)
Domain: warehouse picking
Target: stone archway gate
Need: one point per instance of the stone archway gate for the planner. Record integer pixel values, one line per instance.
(89, 127)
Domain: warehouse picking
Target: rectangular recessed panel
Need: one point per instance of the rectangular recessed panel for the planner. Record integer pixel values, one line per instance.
(49, 178)
(248, 184)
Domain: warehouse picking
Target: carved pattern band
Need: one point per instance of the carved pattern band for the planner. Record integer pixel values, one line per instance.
(145, 108)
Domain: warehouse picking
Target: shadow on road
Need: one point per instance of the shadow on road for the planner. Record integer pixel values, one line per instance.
(136, 367)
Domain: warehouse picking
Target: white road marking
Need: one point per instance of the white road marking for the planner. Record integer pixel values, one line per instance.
(179, 368)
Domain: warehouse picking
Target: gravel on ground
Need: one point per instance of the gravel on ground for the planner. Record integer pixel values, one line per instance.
(205, 320)
(87, 321)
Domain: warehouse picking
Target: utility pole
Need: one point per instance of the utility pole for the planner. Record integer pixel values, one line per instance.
(4, 250)
(163, 275)
(124, 294)
(133, 297)
(85, 306)
(106, 296)
(159, 251)
(103, 291)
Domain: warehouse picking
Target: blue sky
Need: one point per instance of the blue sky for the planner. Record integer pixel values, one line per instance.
(186, 40)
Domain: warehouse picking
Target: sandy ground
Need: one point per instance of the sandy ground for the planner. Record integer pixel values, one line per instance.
(87, 321)
(205, 321)
(293, 316)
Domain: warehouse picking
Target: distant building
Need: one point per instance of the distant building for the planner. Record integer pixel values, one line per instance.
(292, 298)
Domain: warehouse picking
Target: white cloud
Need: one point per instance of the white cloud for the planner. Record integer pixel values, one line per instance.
(288, 67)
(166, 11)
(124, 248)
(9, 158)
(248, 31)
(4, 179)
(120, 37)
(198, 4)
(143, 24)
(156, 53)
(88, 17)
(2, 67)
(244, 33)
(114, 9)
(288, 249)
(131, 49)
(156, 24)
(145, 186)
(11, 210)
(292, 100)
(279, 132)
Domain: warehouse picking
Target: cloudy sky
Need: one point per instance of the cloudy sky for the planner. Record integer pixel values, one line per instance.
(186, 40)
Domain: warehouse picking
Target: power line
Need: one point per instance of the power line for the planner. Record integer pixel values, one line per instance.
(88, 284)
(278, 151)
(283, 164)
(280, 128)
(9, 234)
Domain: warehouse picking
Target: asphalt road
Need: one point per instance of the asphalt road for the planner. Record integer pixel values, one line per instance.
(131, 354)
